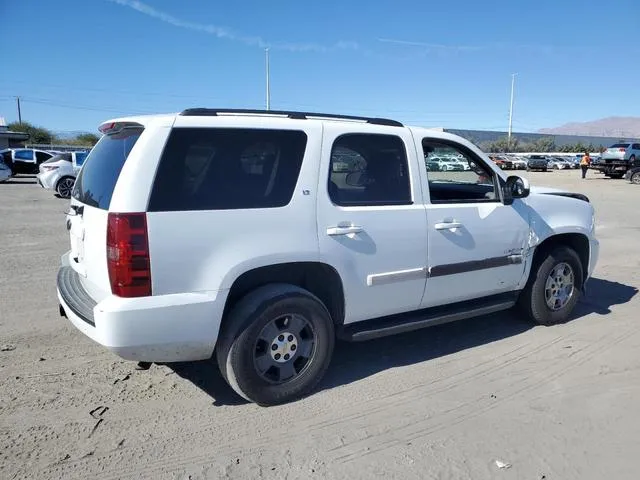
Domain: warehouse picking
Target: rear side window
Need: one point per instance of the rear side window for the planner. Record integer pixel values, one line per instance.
(24, 155)
(80, 158)
(97, 180)
(227, 168)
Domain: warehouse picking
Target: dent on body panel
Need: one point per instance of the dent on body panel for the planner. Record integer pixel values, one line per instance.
(554, 215)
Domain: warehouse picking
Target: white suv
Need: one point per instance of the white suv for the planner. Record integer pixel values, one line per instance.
(260, 237)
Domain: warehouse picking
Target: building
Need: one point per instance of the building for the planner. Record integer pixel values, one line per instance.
(9, 139)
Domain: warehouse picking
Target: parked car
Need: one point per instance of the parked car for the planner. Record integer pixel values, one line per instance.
(633, 175)
(228, 233)
(618, 159)
(5, 171)
(557, 163)
(538, 162)
(59, 172)
(519, 163)
(24, 160)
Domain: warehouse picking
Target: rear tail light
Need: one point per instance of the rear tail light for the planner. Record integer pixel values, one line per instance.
(128, 259)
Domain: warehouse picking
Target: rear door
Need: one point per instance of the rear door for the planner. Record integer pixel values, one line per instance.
(371, 219)
(91, 197)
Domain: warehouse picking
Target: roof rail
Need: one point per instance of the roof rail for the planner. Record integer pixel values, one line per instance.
(212, 112)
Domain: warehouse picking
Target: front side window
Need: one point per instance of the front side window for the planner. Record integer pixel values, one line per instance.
(457, 175)
(228, 168)
(369, 170)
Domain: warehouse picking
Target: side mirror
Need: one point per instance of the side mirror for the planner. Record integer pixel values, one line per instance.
(515, 187)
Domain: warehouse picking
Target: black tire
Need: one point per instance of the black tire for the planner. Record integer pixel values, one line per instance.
(65, 186)
(533, 300)
(635, 178)
(240, 337)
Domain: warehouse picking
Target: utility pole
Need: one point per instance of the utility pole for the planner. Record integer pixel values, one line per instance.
(19, 112)
(513, 83)
(266, 52)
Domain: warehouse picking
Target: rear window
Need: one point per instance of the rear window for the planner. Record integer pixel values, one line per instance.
(97, 180)
(620, 145)
(227, 168)
(62, 156)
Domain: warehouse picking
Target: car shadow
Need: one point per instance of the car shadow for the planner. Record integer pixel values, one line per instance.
(356, 361)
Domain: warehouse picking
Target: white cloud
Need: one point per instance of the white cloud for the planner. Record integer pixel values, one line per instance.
(228, 34)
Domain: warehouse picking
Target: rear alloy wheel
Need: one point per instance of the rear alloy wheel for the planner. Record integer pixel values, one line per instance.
(635, 178)
(553, 288)
(276, 344)
(65, 187)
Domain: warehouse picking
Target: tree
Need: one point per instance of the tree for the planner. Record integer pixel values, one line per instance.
(37, 135)
(86, 139)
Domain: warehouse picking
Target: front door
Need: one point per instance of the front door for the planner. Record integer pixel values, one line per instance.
(371, 220)
(476, 243)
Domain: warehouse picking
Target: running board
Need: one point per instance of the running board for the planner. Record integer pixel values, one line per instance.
(407, 322)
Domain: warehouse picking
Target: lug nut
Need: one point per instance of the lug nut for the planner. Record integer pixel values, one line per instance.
(277, 356)
(290, 338)
(281, 337)
(286, 356)
(293, 347)
(274, 347)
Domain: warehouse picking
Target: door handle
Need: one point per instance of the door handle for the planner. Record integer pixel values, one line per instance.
(344, 230)
(448, 225)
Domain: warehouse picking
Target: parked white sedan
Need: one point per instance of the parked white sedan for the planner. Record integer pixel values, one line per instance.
(59, 172)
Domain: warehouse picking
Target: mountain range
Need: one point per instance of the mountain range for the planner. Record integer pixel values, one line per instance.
(605, 127)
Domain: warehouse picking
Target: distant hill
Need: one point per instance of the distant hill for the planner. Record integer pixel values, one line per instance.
(621, 127)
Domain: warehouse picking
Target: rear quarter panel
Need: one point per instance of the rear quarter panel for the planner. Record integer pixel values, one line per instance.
(200, 251)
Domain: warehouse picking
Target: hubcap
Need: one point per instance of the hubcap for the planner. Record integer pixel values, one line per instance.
(559, 287)
(284, 348)
(65, 187)
(635, 178)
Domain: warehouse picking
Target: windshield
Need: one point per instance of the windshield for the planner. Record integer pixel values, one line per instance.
(97, 180)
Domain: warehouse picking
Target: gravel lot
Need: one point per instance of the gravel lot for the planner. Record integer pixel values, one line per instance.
(443, 403)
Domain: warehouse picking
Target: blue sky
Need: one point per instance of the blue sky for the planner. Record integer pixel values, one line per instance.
(76, 63)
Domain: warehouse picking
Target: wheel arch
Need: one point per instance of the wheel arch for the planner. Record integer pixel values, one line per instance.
(578, 242)
(318, 278)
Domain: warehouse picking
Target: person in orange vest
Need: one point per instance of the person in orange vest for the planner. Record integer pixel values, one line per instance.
(584, 164)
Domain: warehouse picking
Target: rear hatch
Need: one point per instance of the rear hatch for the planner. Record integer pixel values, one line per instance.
(88, 214)
(615, 152)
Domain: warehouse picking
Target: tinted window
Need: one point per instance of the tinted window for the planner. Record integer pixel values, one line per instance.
(620, 145)
(94, 186)
(636, 146)
(227, 168)
(462, 176)
(80, 158)
(23, 154)
(42, 156)
(369, 170)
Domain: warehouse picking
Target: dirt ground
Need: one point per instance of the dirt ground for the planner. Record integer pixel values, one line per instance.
(555, 403)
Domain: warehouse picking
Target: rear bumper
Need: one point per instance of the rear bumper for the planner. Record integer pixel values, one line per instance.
(163, 328)
(47, 180)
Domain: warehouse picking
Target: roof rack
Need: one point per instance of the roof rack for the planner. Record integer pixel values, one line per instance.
(212, 112)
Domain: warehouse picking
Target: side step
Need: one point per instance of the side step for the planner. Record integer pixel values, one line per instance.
(407, 322)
